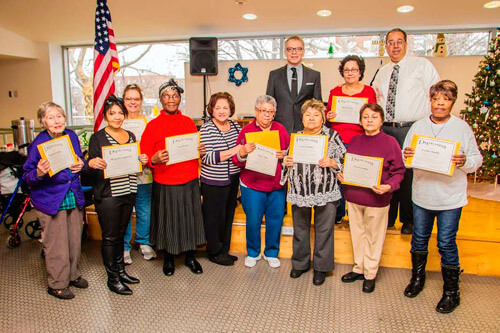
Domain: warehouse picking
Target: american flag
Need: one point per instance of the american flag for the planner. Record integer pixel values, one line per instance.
(105, 60)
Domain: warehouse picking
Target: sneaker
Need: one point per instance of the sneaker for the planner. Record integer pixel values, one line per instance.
(273, 262)
(127, 260)
(252, 261)
(147, 251)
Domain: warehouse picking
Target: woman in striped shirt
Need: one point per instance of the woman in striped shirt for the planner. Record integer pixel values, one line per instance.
(219, 177)
(114, 197)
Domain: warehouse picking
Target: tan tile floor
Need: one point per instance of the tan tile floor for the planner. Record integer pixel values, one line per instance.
(231, 299)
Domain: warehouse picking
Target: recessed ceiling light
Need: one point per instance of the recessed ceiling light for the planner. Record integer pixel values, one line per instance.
(249, 16)
(492, 4)
(324, 13)
(405, 9)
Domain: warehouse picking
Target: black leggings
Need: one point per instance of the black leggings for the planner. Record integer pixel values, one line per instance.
(114, 214)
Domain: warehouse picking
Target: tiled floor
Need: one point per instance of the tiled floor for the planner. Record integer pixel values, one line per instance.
(231, 299)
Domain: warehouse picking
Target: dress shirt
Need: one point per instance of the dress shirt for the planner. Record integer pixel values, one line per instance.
(416, 76)
(300, 75)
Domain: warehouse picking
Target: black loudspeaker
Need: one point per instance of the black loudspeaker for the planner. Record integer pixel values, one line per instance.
(203, 55)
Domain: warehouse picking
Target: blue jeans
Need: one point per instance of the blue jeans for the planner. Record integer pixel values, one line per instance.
(256, 204)
(447, 227)
(142, 217)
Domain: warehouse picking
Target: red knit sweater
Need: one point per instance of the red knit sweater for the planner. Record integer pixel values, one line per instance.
(153, 139)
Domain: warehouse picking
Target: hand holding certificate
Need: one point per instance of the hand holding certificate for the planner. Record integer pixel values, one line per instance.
(364, 171)
(432, 154)
(308, 149)
(182, 147)
(59, 152)
(347, 108)
(263, 160)
(121, 160)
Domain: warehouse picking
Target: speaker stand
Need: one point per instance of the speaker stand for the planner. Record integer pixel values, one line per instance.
(205, 118)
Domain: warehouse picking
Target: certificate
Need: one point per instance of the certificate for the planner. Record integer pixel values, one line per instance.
(269, 139)
(182, 147)
(121, 159)
(263, 160)
(136, 126)
(59, 152)
(433, 154)
(347, 108)
(308, 149)
(364, 171)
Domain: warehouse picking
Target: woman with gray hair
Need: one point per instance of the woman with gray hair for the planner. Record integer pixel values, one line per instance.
(58, 200)
(261, 194)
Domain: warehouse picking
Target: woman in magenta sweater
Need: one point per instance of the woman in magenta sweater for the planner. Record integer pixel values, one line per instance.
(261, 194)
(368, 207)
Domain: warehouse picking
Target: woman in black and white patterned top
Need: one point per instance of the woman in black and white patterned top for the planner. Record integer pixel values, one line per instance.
(114, 197)
(314, 186)
(219, 177)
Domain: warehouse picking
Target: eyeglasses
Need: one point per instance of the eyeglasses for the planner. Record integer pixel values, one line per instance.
(292, 49)
(351, 70)
(398, 42)
(166, 96)
(267, 112)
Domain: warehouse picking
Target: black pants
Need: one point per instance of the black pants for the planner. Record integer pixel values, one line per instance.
(114, 214)
(401, 198)
(219, 204)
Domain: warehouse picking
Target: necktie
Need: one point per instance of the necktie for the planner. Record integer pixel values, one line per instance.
(391, 96)
(294, 83)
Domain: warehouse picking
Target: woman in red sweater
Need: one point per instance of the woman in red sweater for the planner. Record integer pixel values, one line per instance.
(352, 69)
(176, 218)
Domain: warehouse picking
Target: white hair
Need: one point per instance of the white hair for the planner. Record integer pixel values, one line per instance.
(265, 99)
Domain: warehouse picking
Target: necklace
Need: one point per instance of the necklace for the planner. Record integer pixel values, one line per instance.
(432, 128)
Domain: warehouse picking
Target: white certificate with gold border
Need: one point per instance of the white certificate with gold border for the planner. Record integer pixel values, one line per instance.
(347, 108)
(136, 126)
(59, 152)
(364, 171)
(433, 154)
(121, 160)
(182, 147)
(308, 149)
(263, 160)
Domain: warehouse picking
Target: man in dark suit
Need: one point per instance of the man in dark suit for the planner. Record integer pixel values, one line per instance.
(293, 84)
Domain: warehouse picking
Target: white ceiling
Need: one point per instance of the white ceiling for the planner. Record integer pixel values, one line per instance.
(72, 21)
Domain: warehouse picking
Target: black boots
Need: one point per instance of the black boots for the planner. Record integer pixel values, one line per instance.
(451, 296)
(418, 260)
(115, 268)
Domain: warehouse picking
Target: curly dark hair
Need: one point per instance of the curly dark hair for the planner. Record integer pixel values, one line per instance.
(221, 95)
(359, 60)
(113, 100)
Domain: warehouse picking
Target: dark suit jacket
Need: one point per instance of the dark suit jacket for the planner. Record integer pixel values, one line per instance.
(288, 112)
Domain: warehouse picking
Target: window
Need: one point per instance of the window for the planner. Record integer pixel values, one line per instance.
(457, 44)
(318, 47)
(249, 49)
(151, 64)
(148, 65)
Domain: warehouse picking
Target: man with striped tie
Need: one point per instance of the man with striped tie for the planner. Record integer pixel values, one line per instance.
(402, 88)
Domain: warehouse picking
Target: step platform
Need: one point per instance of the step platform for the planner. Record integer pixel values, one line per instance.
(478, 239)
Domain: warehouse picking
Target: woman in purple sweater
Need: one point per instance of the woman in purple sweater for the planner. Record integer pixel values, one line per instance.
(58, 200)
(368, 207)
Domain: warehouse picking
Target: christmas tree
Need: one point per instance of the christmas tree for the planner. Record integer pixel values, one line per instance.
(482, 110)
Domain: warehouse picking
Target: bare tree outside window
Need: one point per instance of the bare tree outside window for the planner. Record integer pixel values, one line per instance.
(249, 49)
